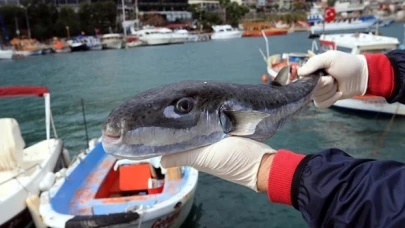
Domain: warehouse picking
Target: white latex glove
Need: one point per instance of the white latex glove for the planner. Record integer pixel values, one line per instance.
(234, 159)
(348, 76)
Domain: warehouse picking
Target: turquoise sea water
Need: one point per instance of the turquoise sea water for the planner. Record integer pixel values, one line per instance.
(104, 79)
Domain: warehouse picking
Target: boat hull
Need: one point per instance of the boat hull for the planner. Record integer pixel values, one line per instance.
(81, 47)
(226, 35)
(29, 53)
(371, 104)
(6, 54)
(96, 47)
(13, 206)
(60, 205)
(179, 39)
(342, 26)
(157, 40)
(134, 44)
(266, 32)
(112, 45)
(63, 50)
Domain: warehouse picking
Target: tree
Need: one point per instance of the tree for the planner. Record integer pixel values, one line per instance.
(100, 15)
(67, 18)
(233, 11)
(42, 18)
(298, 5)
(12, 14)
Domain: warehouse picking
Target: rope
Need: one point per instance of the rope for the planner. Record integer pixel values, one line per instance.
(19, 174)
(53, 126)
(387, 129)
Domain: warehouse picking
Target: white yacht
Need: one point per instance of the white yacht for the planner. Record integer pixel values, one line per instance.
(6, 54)
(112, 41)
(178, 36)
(153, 36)
(225, 32)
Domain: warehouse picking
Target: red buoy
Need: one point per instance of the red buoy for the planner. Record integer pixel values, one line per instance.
(264, 78)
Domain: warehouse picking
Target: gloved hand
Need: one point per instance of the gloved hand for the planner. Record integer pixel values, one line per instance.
(348, 76)
(234, 159)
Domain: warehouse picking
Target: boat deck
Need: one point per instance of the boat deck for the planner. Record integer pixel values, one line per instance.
(82, 193)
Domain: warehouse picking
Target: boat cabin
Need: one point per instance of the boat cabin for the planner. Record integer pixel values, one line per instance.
(358, 43)
(222, 28)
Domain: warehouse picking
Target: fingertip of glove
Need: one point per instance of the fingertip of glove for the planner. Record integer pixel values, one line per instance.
(165, 162)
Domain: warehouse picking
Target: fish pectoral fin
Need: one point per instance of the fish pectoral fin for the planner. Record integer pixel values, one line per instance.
(282, 77)
(245, 122)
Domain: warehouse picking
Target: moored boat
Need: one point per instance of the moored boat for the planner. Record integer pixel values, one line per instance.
(77, 45)
(133, 41)
(254, 29)
(276, 62)
(319, 23)
(22, 169)
(59, 46)
(152, 36)
(6, 54)
(27, 47)
(222, 32)
(112, 41)
(371, 103)
(92, 42)
(99, 189)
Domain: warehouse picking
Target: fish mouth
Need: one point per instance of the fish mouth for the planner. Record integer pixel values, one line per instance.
(111, 137)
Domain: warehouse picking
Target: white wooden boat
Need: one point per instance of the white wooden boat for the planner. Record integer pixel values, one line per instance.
(112, 41)
(100, 190)
(222, 32)
(22, 169)
(6, 54)
(372, 104)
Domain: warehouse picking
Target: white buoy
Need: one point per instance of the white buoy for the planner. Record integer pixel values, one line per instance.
(66, 157)
(47, 182)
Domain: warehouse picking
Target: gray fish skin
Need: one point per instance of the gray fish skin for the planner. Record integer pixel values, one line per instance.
(148, 125)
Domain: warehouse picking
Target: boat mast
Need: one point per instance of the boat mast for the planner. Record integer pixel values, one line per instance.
(123, 23)
(137, 14)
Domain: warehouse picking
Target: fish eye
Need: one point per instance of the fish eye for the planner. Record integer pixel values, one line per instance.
(184, 105)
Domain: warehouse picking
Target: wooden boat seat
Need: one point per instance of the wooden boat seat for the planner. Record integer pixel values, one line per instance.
(134, 177)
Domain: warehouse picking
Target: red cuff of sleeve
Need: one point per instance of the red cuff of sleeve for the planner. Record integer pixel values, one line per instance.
(281, 175)
(380, 75)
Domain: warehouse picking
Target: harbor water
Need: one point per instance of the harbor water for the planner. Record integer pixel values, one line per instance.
(105, 79)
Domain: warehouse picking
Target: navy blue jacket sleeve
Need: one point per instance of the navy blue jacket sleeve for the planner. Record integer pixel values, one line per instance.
(332, 189)
(397, 59)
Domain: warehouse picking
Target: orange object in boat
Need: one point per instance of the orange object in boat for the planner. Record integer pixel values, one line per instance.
(264, 78)
(134, 177)
(294, 68)
(59, 45)
(251, 29)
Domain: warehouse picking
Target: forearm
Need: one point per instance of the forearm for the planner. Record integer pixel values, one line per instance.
(386, 75)
(333, 189)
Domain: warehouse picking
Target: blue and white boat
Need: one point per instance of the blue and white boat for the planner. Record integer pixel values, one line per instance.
(92, 42)
(316, 21)
(353, 23)
(100, 190)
